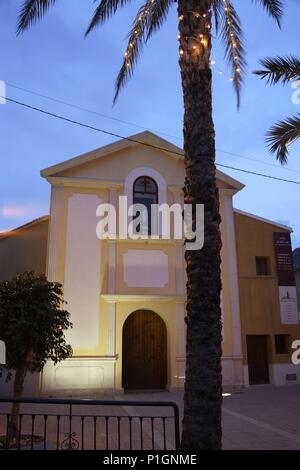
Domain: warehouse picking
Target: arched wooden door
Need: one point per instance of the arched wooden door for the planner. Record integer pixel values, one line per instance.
(144, 352)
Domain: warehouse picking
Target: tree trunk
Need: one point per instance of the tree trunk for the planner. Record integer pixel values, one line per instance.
(13, 425)
(203, 382)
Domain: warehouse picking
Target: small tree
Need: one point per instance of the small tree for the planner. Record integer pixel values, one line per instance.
(32, 324)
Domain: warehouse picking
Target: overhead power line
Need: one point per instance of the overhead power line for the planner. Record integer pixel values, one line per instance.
(139, 126)
(91, 111)
(130, 139)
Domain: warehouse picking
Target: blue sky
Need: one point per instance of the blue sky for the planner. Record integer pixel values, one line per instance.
(54, 59)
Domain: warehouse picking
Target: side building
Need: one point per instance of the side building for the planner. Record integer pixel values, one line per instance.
(296, 256)
(24, 249)
(269, 316)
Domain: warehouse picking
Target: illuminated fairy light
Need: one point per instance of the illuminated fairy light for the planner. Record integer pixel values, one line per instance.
(194, 45)
(233, 39)
(135, 35)
(221, 72)
(203, 41)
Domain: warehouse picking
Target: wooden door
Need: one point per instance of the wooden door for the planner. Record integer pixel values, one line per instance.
(258, 364)
(144, 352)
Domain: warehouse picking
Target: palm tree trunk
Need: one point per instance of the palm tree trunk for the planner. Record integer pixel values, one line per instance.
(203, 383)
(13, 425)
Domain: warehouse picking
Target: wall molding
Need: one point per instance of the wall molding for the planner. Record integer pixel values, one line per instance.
(79, 182)
(141, 298)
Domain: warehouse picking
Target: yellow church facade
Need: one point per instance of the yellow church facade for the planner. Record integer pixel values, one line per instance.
(127, 296)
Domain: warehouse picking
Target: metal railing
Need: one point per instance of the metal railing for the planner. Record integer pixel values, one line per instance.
(61, 424)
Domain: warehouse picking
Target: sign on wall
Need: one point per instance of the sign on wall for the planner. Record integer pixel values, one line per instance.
(286, 279)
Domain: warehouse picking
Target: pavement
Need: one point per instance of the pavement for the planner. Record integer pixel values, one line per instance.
(256, 418)
(262, 418)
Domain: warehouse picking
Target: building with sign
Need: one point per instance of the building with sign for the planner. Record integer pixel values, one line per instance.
(127, 295)
(296, 257)
(268, 301)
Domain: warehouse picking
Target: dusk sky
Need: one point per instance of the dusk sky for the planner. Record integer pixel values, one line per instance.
(54, 59)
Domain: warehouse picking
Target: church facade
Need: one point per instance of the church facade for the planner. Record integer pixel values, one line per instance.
(126, 295)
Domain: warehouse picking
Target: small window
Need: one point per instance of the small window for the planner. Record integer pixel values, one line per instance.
(145, 192)
(281, 344)
(262, 266)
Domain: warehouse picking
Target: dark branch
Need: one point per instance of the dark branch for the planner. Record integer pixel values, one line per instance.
(232, 35)
(104, 11)
(274, 8)
(31, 12)
(148, 20)
(279, 69)
(283, 134)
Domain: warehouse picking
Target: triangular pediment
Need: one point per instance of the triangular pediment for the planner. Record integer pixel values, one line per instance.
(140, 149)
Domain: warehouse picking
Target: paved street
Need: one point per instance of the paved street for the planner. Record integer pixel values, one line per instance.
(262, 417)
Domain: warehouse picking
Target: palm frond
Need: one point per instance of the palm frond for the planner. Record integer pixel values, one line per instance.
(217, 10)
(232, 36)
(148, 20)
(274, 8)
(279, 69)
(32, 11)
(157, 16)
(104, 11)
(283, 134)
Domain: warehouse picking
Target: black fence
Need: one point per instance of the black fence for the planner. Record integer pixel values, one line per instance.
(59, 424)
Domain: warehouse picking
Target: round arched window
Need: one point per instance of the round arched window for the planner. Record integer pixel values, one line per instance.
(145, 192)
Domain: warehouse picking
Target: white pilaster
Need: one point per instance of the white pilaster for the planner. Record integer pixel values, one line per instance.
(180, 269)
(53, 233)
(180, 263)
(232, 272)
(111, 267)
(181, 340)
(113, 199)
(111, 329)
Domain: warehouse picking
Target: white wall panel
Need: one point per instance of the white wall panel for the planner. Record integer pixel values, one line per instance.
(146, 268)
(82, 271)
